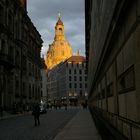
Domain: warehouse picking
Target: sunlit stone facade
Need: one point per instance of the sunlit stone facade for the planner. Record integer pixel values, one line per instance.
(60, 49)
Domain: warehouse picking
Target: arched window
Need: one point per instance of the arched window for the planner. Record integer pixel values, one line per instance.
(63, 53)
(61, 43)
(52, 53)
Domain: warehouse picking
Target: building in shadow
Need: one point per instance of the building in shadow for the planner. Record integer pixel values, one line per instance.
(67, 82)
(20, 63)
(113, 56)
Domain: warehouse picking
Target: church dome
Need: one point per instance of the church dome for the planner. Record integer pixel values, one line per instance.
(60, 49)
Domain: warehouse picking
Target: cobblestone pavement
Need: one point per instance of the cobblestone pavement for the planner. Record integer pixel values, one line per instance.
(22, 128)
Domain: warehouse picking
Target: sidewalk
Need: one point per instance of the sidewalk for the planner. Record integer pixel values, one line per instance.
(8, 115)
(81, 127)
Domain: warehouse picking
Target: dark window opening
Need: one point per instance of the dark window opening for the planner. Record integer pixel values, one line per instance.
(80, 71)
(75, 71)
(69, 71)
(80, 85)
(110, 90)
(70, 85)
(126, 81)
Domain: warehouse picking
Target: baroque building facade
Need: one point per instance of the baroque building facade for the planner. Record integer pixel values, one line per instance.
(20, 63)
(113, 56)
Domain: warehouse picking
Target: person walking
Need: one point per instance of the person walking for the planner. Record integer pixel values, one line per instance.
(65, 106)
(36, 114)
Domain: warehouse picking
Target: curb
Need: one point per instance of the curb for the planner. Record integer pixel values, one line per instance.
(13, 116)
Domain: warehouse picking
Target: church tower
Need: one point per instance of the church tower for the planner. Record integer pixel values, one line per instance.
(60, 49)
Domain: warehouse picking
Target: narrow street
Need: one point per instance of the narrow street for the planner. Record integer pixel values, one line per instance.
(22, 128)
(75, 62)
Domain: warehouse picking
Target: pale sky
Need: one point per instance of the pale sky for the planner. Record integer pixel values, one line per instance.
(44, 15)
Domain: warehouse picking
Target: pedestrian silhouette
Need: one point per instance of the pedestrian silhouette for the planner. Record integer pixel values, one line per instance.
(36, 114)
(65, 106)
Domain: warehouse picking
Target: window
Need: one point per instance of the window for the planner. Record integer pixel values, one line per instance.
(99, 95)
(110, 90)
(80, 85)
(17, 88)
(77, 65)
(126, 81)
(29, 67)
(85, 78)
(70, 85)
(69, 78)
(69, 71)
(63, 53)
(52, 53)
(75, 85)
(80, 71)
(83, 64)
(30, 91)
(85, 85)
(103, 93)
(61, 43)
(33, 91)
(1, 14)
(17, 61)
(3, 46)
(23, 90)
(75, 71)
(75, 78)
(41, 93)
(85, 71)
(10, 21)
(32, 69)
(80, 78)
(11, 53)
(72, 64)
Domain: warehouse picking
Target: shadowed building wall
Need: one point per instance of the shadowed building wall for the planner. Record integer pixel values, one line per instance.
(112, 48)
(20, 63)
